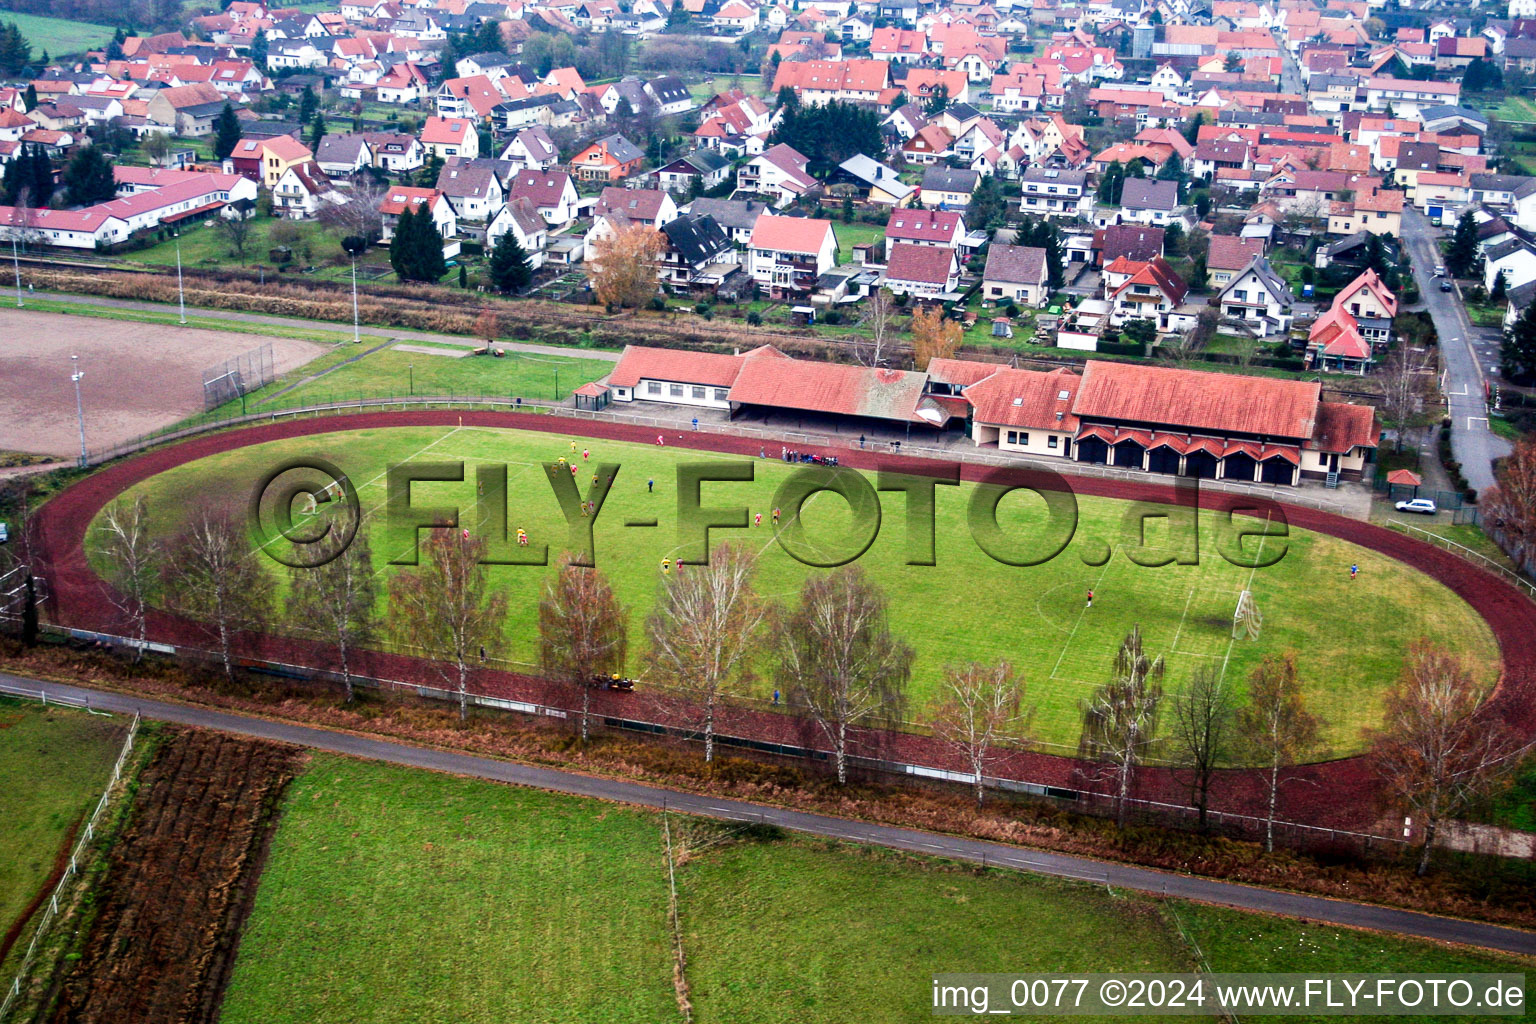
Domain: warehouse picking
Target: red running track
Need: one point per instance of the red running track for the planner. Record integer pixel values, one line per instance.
(1336, 794)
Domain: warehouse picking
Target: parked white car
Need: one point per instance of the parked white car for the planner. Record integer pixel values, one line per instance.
(1421, 505)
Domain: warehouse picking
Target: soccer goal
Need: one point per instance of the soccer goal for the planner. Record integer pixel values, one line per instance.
(1247, 618)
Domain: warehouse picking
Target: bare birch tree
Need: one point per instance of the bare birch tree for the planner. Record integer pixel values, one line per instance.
(839, 660)
(1120, 719)
(212, 576)
(1203, 718)
(1277, 727)
(880, 323)
(1435, 752)
(982, 706)
(704, 631)
(1509, 506)
(583, 631)
(131, 564)
(1404, 379)
(446, 607)
(339, 598)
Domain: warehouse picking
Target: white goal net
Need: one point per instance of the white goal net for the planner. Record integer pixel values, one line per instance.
(1247, 618)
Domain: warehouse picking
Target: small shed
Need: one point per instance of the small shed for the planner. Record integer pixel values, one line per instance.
(593, 397)
(1404, 478)
(1002, 327)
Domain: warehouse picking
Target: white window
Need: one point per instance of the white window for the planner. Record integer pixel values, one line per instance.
(677, 391)
(1051, 443)
(698, 393)
(721, 395)
(653, 388)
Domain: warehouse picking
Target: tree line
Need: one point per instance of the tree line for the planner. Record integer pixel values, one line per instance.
(830, 653)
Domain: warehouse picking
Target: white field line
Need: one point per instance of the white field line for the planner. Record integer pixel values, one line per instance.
(1084, 611)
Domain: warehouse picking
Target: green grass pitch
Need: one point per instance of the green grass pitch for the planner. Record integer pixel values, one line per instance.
(1348, 635)
(396, 895)
(54, 764)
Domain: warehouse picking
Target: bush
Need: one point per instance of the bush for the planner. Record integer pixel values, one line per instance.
(658, 303)
(1122, 348)
(755, 318)
(1011, 310)
(832, 318)
(705, 310)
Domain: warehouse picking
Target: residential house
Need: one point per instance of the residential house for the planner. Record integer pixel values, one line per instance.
(451, 136)
(700, 171)
(1016, 274)
(789, 254)
(699, 255)
(343, 155)
(884, 184)
(400, 198)
(1023, 411)
(1372, 304)
(610, 158)
(533, 149)
(277, 155)
(1230, 255)
(1135, 242)
(522, 219)
(1148, 201)
(473, 190)
(396, 152)
(778, 174)
(922, 271)
(302, 190)
(1048, 192)
(818, 81)
(736, 217)
(1257, 296)
(1334, 344)
(552, 193)
(948, 187)
(1143, 291)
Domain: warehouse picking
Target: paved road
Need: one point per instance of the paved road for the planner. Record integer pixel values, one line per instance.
(994, 854)
(1471, 358)
(394, 333)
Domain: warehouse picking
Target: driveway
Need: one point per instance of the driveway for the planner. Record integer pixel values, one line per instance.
(1471, 356)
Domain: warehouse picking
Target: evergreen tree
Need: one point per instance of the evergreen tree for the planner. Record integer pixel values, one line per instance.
(509, 268)
(1500, 288)
(259, 49)
(416, 253)
(427, 176)
(938, 101)
(1517, 356)
(316, 130)
(1192, 130)
(1172, 169)
(986, 211)
(1135, 169)
(1481, 76)
(29, 98)
(88, 177)
(40, 180)
(1050, 241)
(1111, 183)
(15, 51)
(14, 181)
(309, 105)
(1462, 257)
(115, 47)
(226, 133)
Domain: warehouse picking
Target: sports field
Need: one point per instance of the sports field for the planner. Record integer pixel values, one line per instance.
(1348, 634)
(54, 763)
(395, 895)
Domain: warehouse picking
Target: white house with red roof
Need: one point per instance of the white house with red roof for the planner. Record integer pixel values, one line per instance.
(788, 254)
(735, 18)
(779, 174)
(680, 377)
(1143, 291)
(922, 271)
(552, 193)
(451, 136)
(399, 198)
(1024, 411)
(1372, 304)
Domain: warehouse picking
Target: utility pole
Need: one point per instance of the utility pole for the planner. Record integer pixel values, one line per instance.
(16, 261)
(412, 368)
(181, 296)
(356, 337)
(75, 374)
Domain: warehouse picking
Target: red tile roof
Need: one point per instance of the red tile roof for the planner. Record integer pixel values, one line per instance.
(1341, 426)
(790, 234)
(1026, 398)
(922, 225)
(924, 264)
(708, 368)
(830, 388)
(1197, 400)
(1229, 252)
(963, 372)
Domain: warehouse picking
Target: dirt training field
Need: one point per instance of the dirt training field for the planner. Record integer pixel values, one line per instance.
(137, 376)
(179, 884)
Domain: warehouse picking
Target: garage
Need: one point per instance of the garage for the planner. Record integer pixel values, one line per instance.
(1130, 455)
(1240, 466)
(1278, 470)
(1163, 459)
(1093, 449)
(1200, 464)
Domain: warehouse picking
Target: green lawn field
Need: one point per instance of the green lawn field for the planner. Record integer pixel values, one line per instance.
(54, 764)
(1348, 635)
(58, 36)
(445, 370)
(396, 895)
